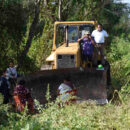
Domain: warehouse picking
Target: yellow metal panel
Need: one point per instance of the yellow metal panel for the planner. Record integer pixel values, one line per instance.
(76, 22)
(78, 59)
(71, 49)
(54, 39)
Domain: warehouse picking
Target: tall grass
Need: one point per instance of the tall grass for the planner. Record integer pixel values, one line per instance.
(77, 116)
(119, 57)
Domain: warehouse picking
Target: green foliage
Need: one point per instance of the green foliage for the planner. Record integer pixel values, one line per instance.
(77, 116)
(41, 47)
(48, 96)
(13, 28)
(119, 57)
(1, 98)
(28, 66)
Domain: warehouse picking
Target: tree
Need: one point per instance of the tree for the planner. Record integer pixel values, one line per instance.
(31, 34)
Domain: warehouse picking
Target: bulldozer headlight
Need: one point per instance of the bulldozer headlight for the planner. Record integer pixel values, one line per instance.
(72, 56)
(59, 56)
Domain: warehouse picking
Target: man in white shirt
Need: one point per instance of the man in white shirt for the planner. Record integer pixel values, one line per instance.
(99, 36)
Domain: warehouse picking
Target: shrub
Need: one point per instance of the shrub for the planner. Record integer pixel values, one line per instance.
(119, 58)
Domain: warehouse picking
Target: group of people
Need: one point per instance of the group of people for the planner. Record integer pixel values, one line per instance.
(20, 94)
(7, 79)
(97, 39)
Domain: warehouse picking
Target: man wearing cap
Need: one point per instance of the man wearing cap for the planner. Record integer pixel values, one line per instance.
(99, 36)
(87, 46)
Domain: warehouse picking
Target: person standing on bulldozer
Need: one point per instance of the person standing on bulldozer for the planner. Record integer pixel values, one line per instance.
(87, 44)
(99, 36)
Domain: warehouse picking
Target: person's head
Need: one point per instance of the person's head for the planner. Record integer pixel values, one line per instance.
(11, 64)
(99, 27)
(67, 79)
(3, 72)
(21, 82)
(87, 34)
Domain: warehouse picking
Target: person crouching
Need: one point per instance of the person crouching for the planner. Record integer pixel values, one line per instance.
(67, 92)
(22, 97)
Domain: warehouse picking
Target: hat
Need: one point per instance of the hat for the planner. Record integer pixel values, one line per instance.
(86, 32)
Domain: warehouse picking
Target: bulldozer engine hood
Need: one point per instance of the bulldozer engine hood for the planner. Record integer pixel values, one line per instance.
(71, 49)
(63, 50)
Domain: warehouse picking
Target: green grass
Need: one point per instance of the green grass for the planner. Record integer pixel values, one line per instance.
(77, 117)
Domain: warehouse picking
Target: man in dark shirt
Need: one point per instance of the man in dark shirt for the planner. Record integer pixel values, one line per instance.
(4, 87)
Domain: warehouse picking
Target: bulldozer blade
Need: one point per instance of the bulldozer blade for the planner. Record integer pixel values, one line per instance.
(90, 83)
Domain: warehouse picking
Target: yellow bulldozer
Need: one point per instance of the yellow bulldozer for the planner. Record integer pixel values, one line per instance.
(66, 51)
(66, 60)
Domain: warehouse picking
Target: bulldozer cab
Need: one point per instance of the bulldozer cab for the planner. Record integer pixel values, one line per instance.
(74, 32)
(66, 52)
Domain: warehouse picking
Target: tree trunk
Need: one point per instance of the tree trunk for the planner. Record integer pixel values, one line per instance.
(59, 12)
(31, 34)
(45, 2)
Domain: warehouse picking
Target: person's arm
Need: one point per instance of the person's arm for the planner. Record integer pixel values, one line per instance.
(92, 40)
(15, 91)
(8, 73)
(93, 34)
(106, 37)
(79, 40)
(15, 72)
(58, 90)
(0, 82)
(106, 41)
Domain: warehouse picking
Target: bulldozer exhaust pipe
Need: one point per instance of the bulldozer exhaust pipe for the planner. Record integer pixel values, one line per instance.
(67, 42)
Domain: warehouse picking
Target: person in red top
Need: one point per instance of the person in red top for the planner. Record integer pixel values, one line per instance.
(22, 97)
